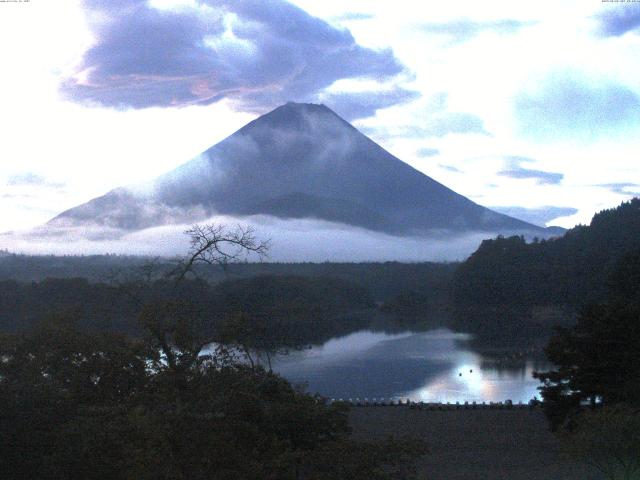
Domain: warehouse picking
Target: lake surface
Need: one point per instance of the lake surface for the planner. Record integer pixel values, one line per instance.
(431, 366)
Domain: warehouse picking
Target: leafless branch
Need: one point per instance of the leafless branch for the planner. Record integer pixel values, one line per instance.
(215, 244)
(135, 281)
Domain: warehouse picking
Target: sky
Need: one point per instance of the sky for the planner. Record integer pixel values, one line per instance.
(530, 108)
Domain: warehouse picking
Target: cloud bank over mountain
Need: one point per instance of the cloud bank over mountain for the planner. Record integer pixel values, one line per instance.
(292, 240)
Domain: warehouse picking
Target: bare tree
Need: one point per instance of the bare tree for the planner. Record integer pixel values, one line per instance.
(171, 324)
(215, 244)
(178, 332)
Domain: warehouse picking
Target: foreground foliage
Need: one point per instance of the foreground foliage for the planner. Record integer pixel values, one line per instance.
(598, 362)
(608, 439)
(598, 359)
(592, 398)
(77, 405)
(169, 403)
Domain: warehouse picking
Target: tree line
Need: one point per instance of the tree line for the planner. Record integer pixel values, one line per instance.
(383, 281)
(569, 270)
(513, 292)
(175, 400)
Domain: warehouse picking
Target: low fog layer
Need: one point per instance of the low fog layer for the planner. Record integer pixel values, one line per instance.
(291, 241)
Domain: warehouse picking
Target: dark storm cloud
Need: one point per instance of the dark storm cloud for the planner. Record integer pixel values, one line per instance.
(352, 106)
(517, 171)
(538, 216)
(462, 30)
(619, 19)
(569, 106)
(257, 54)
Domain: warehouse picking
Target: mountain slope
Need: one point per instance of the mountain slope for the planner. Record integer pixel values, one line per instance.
(298, 161)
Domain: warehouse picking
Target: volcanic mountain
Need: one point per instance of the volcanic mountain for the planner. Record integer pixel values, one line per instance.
(298, 161)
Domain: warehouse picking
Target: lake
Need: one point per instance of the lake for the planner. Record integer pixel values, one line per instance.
(429, 366)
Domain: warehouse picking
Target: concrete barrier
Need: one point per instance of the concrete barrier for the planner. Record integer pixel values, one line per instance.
(433, 406)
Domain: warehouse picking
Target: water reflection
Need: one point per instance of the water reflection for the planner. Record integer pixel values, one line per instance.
(433, 366)
(468, 382)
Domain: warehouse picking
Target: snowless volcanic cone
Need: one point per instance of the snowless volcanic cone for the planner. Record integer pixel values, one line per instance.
(300, 161)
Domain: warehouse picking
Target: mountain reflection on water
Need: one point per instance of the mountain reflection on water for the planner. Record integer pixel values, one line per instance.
(431, 366)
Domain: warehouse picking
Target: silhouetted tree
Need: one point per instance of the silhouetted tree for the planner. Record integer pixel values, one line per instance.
(76, 404)
(598, 359)
(216, 244)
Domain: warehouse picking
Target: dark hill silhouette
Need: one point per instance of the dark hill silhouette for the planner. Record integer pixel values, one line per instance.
(574, 269)
(298, 161)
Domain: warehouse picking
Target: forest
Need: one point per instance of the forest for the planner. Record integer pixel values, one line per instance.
(113, 375)
(510, 292)
(569, 270)
(513, 292)
(157, 376)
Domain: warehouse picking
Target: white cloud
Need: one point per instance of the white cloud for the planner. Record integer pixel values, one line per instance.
(94, 150)
(291, 241)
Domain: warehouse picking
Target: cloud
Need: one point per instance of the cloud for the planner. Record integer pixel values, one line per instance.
(515, 170)
(546, 178)
(435, 121)
(31, 179)
(619, 19)
(354, 16)
(355, 105)
(12, 196)
(450, 168)
(428, 152)
(622, 188)
(291, 241)
(257, 54)
(517, 159)
(453, 122)
(463, 30)
(439, 121)
(567, 106)
(538, 216)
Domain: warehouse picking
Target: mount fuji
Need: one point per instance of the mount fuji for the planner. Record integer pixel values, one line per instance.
(299, 161)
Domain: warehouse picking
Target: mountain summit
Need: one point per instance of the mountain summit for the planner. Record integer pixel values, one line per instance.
(297, 161)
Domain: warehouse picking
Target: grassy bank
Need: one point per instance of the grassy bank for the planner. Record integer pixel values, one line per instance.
(475, 444)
